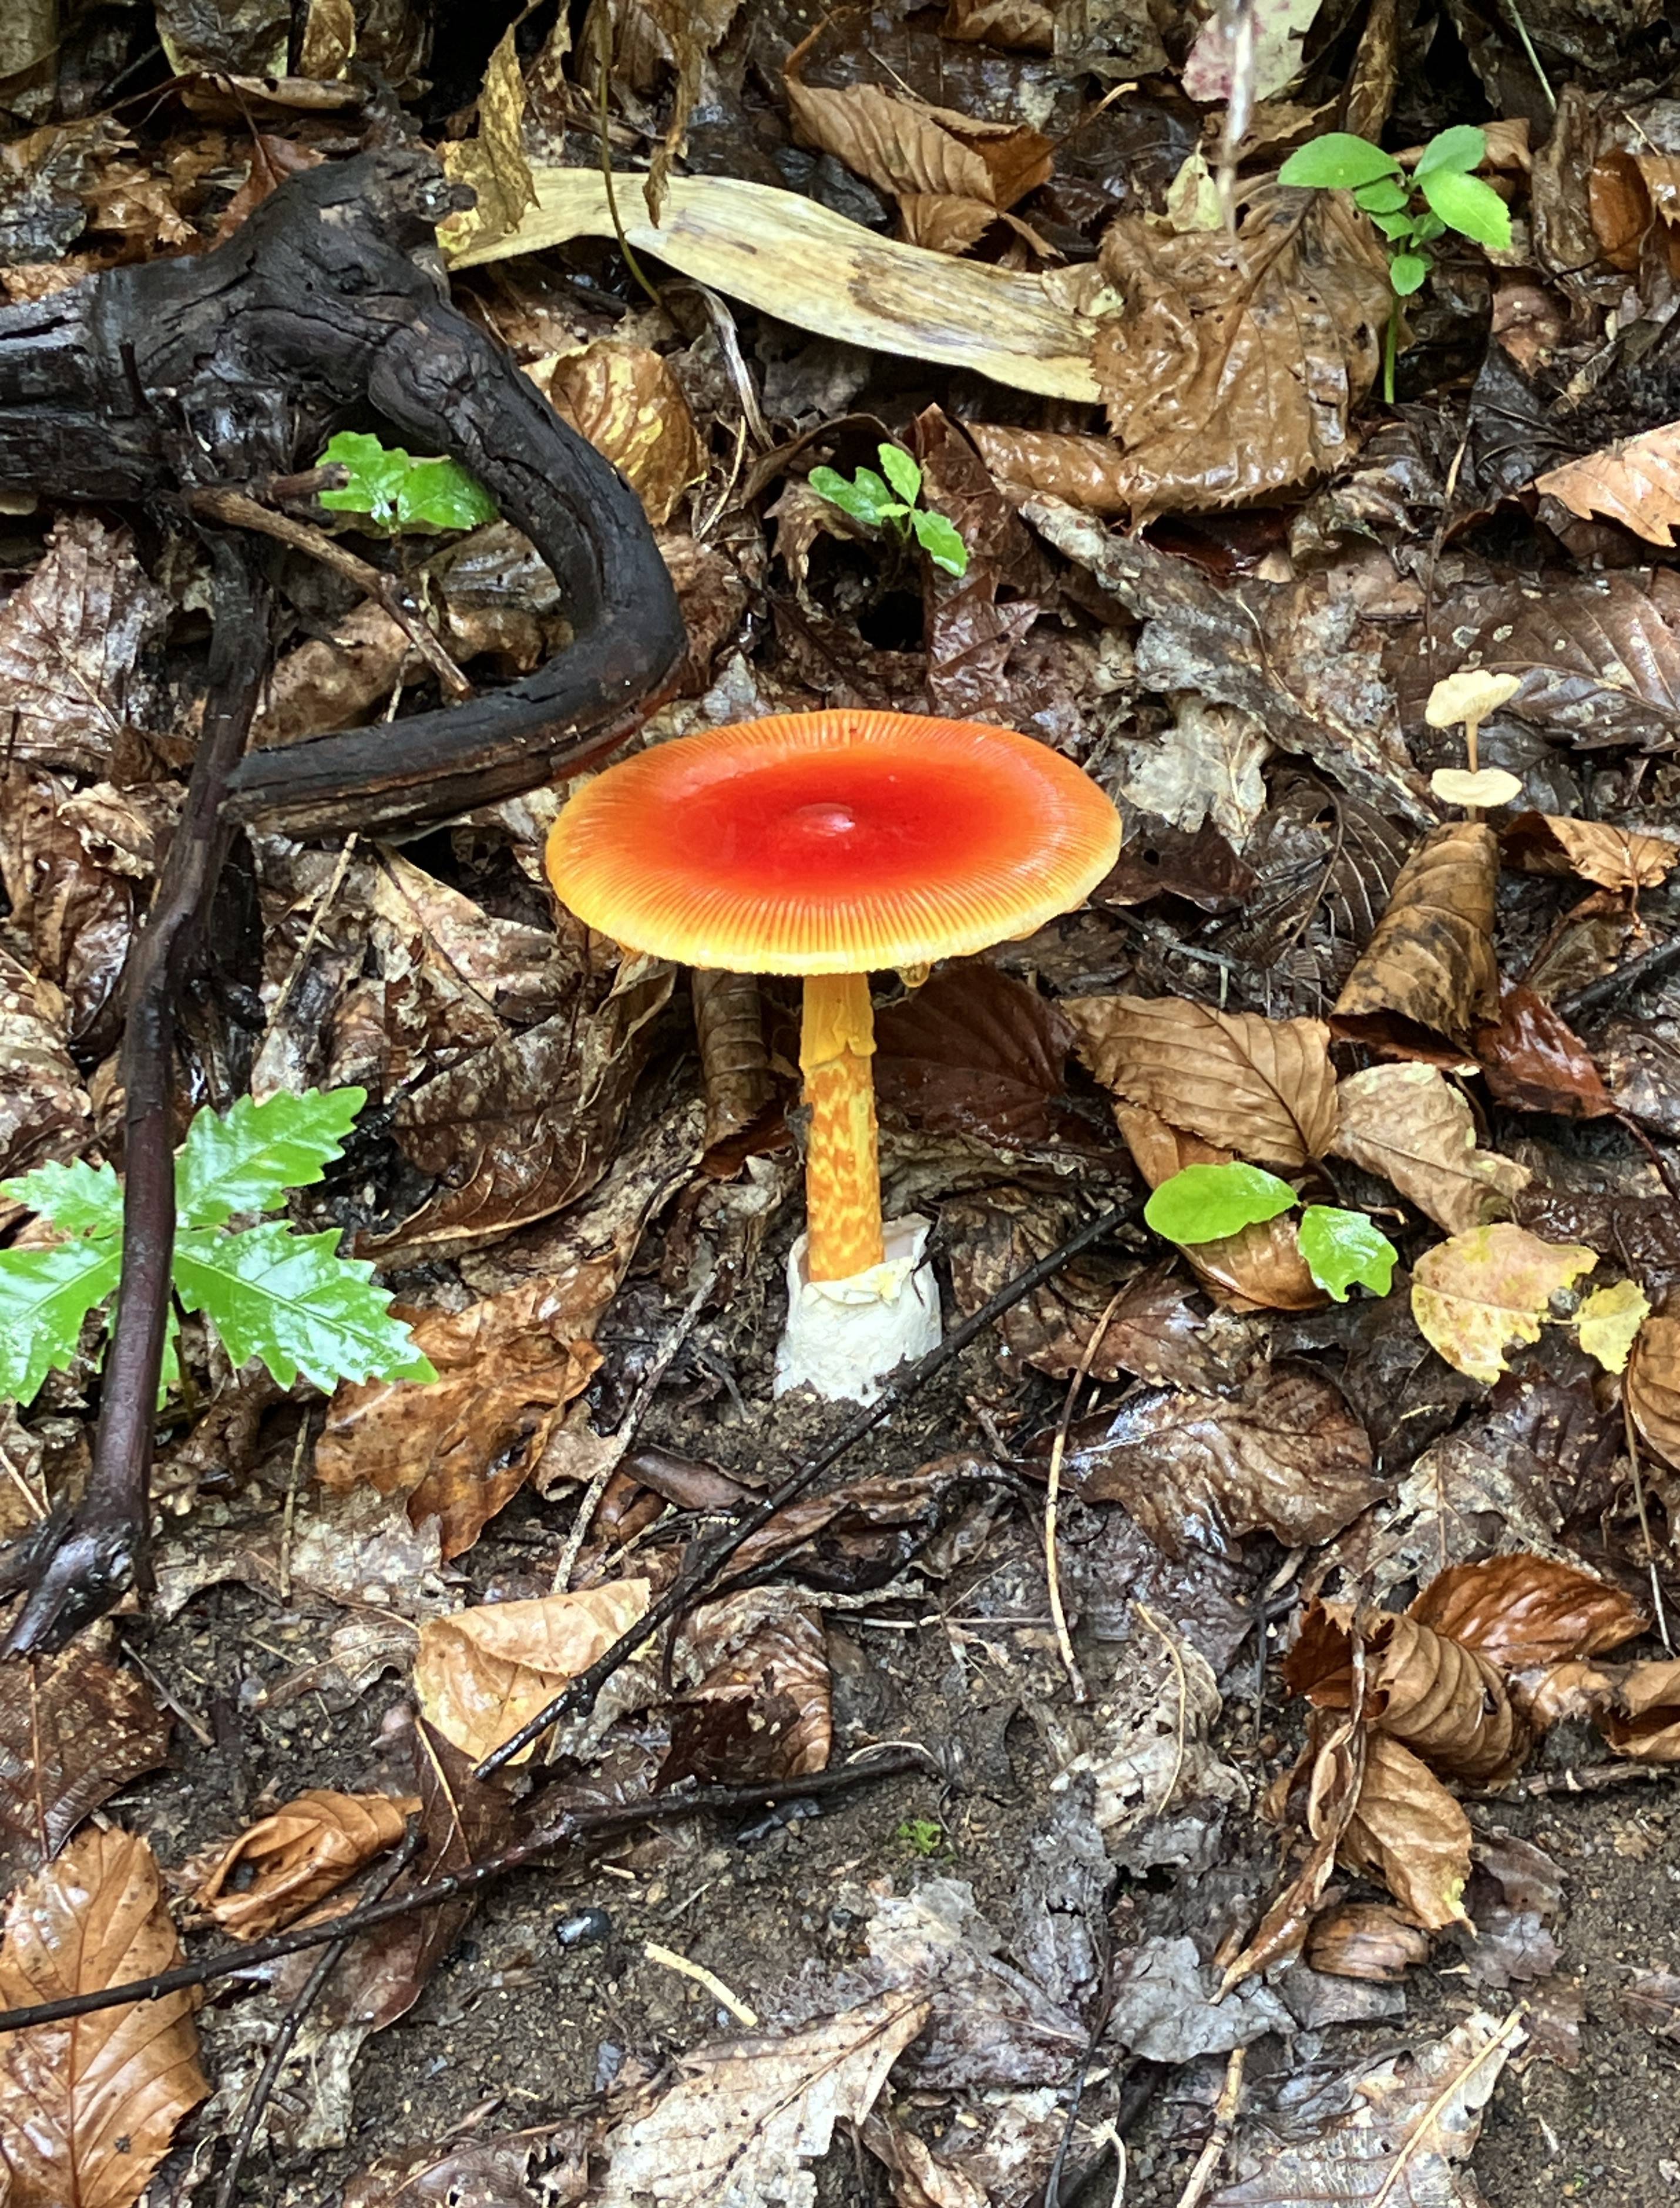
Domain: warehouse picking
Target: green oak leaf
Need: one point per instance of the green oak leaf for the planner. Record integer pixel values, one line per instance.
(1341, 1247)
(941, 541)
(291, 1300)
(245, 1160)
(45, 1296)
(1468, 206)
(902, 472)
(79, 1198)
(1463, 147)
(1204, 1203)
(1338, 161)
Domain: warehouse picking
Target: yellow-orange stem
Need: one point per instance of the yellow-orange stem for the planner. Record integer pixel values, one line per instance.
(842, 1178)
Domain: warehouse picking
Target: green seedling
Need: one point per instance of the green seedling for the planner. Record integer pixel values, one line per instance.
(1204, 1203)
(398, 494)
(286, 1298)
(890, 505)
(920, 1836)
(1440, 195)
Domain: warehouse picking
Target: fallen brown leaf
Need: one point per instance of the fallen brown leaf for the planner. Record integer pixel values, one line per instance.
(973, 1052)
(734, 1063)
(479, 2172)
(1407, 1123)
(1260, 1088)
(1642, 1720)
(1635, 481)
(298, 1855)
(759, 1704)
(461, 1447)
(1314, 1802)
(1519, 1611)
(1598, 658)
(480, 1674)
(1446, 1702)
(1261, 1269)
(1615, 858)
(1428, 973)
(1408, 1833)
(1535, 1062)
(626, 400)
(1475, 1294)
(1199, 1471)
(73, 1728)
(77, 916)
(45, 1111)
(89, 2108)
(1652, 1386)
(1083, 472)
(1370, 1939)
(1234, 365)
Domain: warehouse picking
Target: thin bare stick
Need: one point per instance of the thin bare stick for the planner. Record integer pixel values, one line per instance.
(1053, 1578)
(1225, 2118)
(1644, 1523)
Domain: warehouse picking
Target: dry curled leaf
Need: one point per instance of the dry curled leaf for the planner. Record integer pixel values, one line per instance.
(626, 400)
(1443, 1700)
(89, 2108)
(1234, 363)
(1615, 858)
(1408, 1833)
(460, 1447)
(1641, 1717)
(1369, 1940)
(1635, 481)
(298, 1855)
(73, 1728)
(479, 1675)
(1261, 1269)
(1652, 1386)
(746, 2115)
(1261, 1088)
(1409, 1124)
(1428, 972)
(1609, 1320)
(1476, 1294)
(1199, 1471)
(1524, 1610)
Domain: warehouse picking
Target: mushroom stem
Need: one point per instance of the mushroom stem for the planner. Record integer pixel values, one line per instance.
(842, 1179)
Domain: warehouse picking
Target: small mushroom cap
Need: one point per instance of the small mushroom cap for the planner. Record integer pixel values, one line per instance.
(1470, 695)
(835, 843)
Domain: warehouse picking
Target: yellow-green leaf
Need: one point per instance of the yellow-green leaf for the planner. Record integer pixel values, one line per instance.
(1607, 1321)
(1476, 1294)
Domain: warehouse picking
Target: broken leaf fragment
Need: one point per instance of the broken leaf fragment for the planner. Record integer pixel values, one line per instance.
(1608, 1321)
(1475, 1295)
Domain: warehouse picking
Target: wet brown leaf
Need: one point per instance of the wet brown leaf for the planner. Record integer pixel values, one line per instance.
(1428, 972)
(1158, 860)
(1407, 1123)
(1408, 1833)
(1263, 1088)
(1262, 1269)
(480, 1674)
(1642, 1721)
(1370, 1939)
(479, 2173)
(1086, 472)
(1314, 1803)
(71, 643)
(44, 1112)
(1199, 1471)
(973, 1052)
(862, 1534)
(1652, 1386)
(626, 400)
(1446, 1702)
(1635, 481)
(461, 1447)
(1481, 1291)
(79, 916)
(73, 1729)
(1598, 658)
(734, 1061)
(1519, 1611)
(1234, 365)
(1402, 2128)
(89, 2108)
(1535, 1062)
(1615, 858)
(758, 1704)
(298, 1855)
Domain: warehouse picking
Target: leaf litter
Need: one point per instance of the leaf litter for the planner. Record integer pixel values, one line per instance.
(1237, 1601)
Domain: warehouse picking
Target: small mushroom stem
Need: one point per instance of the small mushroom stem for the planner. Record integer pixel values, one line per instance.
(842, 1178)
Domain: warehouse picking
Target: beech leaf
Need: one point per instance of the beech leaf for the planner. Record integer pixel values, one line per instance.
(1636, 482)
(297, 1855)
(1475, 1295)
(1409, 1124)
(1652, 1386)
(1259, 1268)
(1521, 1610)
(1407, 1832)
(1616, 858)
(1204, 1203)
(1428, 972)
(479, 1675)
(73, 1729)
(1341, 1247)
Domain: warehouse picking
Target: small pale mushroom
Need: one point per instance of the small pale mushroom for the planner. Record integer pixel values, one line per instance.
(833, 845)
(1469, 696)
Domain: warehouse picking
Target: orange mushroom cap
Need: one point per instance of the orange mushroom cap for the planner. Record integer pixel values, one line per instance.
(833, 843)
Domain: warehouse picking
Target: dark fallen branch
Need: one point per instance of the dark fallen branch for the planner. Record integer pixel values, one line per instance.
(236, 365)
(1654, 965)
(80, 1567)
(579, 1697)
(564, 1831)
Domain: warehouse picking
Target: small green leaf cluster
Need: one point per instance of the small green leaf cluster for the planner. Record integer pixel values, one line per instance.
(920, 1836)
(397, 493)
(891, 505)
(1451, 197)
(288, 1299)
(1204, 1203)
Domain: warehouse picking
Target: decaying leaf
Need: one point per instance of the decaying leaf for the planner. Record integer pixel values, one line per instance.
(478, 2172)
(297, 1855)
(1234, 365)
(1262, 1268)
(1652, 1386)
(1408, 1833)
(480, 1673)
(1521, 1610)
(1261, 1088)
(974, 1051)
(1407, 1123)
(1480, 1292)
(492, 162)
(1535, 1062)
(44, 1112)
(758, 1704)
(1608, 1321)
(73, 1728)
(1199, 1471)
(1598, 658)
(1641, 1718)
(1370, 1939)
(626, 400)
(87, 2108)
(740, 2126)
(1635, 481)
(1397, 2138)
(734, 1061)
(1616, 858)
(462, 1446)
(1428, 972)
(1443, 1700)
